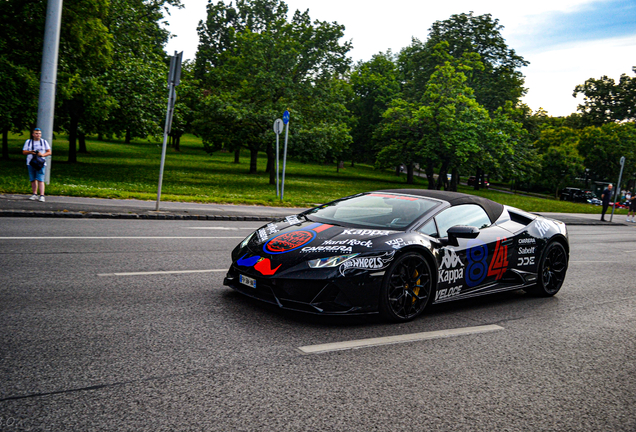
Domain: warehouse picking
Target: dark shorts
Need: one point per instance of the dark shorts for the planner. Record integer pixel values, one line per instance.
(632, 205)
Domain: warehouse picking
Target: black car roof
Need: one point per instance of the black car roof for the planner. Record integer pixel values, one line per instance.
(492, 208)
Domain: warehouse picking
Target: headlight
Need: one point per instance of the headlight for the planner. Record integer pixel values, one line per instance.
(247, 240)
(333, 261)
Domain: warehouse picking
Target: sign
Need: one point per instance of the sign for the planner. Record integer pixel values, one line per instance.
(278, 126)
(286, 117)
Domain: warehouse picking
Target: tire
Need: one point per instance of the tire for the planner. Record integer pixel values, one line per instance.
(552, 269)
(406, 288)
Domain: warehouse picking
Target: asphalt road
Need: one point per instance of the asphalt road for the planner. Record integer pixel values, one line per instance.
(124, 325)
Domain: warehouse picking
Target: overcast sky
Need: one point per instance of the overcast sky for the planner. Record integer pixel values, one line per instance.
(565, 41)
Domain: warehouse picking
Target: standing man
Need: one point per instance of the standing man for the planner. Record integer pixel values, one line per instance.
(32, 147)
(607, 194)
(632, 208)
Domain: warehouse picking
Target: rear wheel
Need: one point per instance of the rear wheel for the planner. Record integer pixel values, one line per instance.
(552, 269)
(406, 288)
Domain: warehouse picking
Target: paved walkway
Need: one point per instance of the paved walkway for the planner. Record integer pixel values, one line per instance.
(73, 207)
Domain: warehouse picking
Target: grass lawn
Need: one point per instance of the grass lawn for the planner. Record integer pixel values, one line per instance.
(113, 169)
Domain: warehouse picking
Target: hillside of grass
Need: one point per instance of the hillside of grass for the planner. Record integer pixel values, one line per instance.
(113, 169)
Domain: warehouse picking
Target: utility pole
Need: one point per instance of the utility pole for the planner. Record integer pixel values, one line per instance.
(48, 77)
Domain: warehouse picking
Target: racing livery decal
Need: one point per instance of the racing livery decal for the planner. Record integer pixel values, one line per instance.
(367, 263)
(499, 262)
(452, 268)
(448, 293)
(260, 264)
(292, 240)
(476, 266)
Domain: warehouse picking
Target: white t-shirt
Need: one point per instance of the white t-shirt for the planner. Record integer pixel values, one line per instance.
(41, 146)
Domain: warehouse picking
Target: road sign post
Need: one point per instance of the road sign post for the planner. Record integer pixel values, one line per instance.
(174, 79)
(617, 192)
(278, 128)
(286, 122)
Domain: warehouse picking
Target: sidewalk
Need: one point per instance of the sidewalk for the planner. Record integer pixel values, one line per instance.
(74, 207)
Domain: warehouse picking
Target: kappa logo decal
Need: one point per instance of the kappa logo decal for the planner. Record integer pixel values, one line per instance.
(450, 259)
(288, 241)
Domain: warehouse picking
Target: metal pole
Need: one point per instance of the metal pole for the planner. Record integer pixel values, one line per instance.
(277, 189)
(166, 131)
(48, 77)
(618, 187)
(282, 192)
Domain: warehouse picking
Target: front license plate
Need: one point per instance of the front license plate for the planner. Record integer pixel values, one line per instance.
(247, 281)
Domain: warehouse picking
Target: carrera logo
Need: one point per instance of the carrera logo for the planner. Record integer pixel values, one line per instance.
(288, 241)
(530, 240)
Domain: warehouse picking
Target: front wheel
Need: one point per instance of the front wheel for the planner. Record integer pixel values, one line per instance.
(552, 269)
(406, 288)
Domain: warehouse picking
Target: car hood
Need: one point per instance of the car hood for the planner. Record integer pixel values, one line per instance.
(282, 245)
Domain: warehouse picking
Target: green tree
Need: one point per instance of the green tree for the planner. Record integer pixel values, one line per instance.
(21, 28)
(375, 84)
(602, 148)
(497, 82)
(606, 101)
(559, 156)
(253, 64)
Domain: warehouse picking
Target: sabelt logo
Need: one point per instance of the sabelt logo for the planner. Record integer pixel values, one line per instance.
(529, 240)
(526, 250)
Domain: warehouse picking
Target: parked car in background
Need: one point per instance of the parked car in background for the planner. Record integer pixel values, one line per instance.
(575, 195)
(595, 201)
(473, 179)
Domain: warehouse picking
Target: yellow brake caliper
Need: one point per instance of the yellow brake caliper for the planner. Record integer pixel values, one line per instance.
(416, 290)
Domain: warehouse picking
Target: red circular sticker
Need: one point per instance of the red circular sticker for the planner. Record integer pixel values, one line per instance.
(288, 241)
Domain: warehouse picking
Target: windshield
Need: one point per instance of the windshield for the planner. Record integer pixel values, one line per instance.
(375, 210)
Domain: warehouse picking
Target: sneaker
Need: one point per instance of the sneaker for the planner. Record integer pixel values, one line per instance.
(33, 197)
(41, 198)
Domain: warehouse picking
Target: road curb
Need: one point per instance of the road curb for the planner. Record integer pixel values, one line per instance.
(99, 215)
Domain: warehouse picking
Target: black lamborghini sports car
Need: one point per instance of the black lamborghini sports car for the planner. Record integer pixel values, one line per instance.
(396, 251)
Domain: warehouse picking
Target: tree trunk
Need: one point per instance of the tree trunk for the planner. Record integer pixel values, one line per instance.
(72, 140)
(128, 136)
(478, 179)
(253, 160)
(398, 170)
(177, 143)
(453, 184)
(430, 174)
(81, 137)
(5, 144)
(271, 161)
(237, 155)
(409, 173)
(441, 178)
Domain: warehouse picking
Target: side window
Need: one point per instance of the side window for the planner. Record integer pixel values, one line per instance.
(467, 214)
(429, 228)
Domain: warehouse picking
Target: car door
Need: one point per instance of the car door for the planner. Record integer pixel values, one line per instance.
(472, 265)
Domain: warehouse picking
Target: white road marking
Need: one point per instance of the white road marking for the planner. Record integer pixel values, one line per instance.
(220, 228)
(576, 262)
(161, 272)
(388, 340)
(113, 238)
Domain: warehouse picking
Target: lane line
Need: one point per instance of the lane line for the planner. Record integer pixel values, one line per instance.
(219, 228)
(389, 340)
(161, 272)
(115, 238)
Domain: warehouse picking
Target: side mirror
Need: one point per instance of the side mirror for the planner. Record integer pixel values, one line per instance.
(461, 231)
